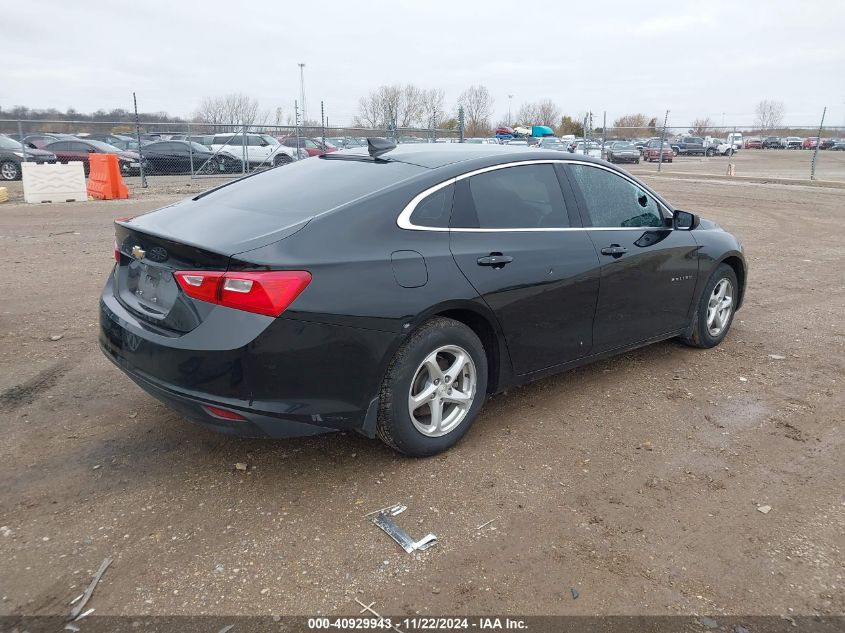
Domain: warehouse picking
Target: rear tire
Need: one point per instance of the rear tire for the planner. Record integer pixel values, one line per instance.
(9, 170)
(417, 391)
(282, 159)
(713, 316)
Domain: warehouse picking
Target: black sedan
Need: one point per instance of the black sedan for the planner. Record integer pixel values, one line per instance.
(391, 291)
(12, 154)
(188, 157)
(621, 152)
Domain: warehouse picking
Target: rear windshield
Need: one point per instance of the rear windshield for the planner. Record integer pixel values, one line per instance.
(311, 186)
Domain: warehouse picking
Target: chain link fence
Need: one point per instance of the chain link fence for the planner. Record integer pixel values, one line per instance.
(150, 151)
(162, 153)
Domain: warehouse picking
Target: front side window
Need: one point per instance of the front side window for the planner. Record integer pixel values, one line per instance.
(523, 197)
(613, 201)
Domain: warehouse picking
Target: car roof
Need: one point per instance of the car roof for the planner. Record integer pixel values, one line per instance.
(434, 155)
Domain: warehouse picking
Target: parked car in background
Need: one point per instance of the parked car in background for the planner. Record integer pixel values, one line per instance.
(588, 148)
(12, 154)
(774, 142)
(719, 146)
(185, 157)
(735, 139)
(622, 152)
(838, 145)
(794, 142)
(38, 140)
(307, 147)
(753, 143)
(81, 150)
(260, 149)
(481, 141)
(551, 142)
(688, 146)
(809, 143)
(519, 142)
(120, 141)
(259, 328)
(827, 143)
(652, 152)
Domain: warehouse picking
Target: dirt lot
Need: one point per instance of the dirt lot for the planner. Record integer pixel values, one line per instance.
(635, 481)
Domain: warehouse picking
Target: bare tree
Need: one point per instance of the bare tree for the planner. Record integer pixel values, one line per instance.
(548, 113)
(395, 104)
(478, 108)
(700, 127)
(526, 115)
(632, 125)
(433, 109)
(768, 114)
(232, 111)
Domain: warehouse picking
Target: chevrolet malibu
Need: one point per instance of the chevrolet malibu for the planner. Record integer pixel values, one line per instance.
(391, 290)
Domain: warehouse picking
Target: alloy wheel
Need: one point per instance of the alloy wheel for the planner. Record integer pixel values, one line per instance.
(442, 391)
(8, 171)
(719, 307)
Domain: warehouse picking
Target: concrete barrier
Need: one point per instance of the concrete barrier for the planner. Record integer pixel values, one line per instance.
(54, 183)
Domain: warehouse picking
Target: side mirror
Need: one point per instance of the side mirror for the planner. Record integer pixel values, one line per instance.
(264, 143)
(684, 220)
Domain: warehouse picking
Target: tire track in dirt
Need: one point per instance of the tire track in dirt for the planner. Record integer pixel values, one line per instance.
(29, 391)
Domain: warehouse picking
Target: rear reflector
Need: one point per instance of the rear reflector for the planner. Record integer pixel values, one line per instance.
(217, 412)
(116, 253)
(266, 292)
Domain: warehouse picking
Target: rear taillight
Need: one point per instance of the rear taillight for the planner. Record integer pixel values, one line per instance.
(116, 253)
(267, 292)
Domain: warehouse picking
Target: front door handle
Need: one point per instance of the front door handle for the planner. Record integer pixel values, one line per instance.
(496, 260)
(614, 250)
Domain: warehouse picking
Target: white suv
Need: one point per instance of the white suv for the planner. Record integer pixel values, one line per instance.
(261, 149)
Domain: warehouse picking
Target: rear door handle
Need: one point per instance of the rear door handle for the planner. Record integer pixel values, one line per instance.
(615, 250)
(496, 260)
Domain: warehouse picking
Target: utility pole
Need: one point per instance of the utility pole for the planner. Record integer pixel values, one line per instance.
(461, 124)
(138, 138)
(302, 91)
(662, 139)
(818, 142)
(296, 118)
(510, 98)
(323, 123)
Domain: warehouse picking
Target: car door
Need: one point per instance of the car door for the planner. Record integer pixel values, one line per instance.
(515, 235)
(648, 270)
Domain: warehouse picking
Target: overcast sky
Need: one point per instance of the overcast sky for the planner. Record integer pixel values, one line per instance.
(694, 58)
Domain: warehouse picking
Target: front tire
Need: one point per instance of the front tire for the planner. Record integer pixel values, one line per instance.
(433, 390)
(9, 170)
(715, 311)
(282, 159)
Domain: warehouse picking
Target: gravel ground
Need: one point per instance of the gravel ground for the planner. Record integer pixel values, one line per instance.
(638, 481)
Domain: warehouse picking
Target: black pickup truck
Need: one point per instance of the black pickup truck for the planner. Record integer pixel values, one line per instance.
(689, 146)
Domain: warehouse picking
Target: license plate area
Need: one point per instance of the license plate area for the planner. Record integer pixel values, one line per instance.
(152, 288)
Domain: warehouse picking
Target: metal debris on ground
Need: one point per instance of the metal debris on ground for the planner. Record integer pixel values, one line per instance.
(74, 613)
(226, 628)
(575, 593)
(764, 509)
(777, 357)
(383, 520)
(484, 525)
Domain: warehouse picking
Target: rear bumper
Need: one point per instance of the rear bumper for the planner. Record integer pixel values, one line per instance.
(287, 377)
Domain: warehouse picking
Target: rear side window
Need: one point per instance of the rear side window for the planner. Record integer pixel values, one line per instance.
(613, 201)
(523, 197)
(434, 210)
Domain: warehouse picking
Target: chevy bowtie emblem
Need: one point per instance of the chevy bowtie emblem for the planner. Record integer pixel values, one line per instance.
(138, 252)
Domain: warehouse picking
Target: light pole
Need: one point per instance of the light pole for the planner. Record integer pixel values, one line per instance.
(302, 90)
(510, 97)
